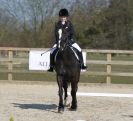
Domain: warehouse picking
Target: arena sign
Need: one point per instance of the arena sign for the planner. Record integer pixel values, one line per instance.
(40, 60)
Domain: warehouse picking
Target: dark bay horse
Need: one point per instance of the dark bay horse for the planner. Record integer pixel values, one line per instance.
(67, 69)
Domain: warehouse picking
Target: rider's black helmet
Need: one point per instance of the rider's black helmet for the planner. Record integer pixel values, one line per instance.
(63, 12)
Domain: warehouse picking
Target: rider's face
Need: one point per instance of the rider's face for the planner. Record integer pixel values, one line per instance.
(63, 19)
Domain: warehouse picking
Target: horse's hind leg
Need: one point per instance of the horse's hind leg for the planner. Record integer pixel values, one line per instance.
(60, 84)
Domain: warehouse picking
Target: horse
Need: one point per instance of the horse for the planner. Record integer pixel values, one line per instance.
(67, 69)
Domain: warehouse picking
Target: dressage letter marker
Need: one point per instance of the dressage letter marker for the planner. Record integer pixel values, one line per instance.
(39, 60)
(103, 94)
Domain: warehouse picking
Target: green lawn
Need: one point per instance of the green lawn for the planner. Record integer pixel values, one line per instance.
(52, 77)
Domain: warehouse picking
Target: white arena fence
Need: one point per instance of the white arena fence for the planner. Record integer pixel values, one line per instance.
(9, 52)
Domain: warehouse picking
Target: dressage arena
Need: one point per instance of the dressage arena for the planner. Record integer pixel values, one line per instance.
(37, 101)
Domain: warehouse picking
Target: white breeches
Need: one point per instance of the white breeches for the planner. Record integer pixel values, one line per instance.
(53, 48)
(75, 45)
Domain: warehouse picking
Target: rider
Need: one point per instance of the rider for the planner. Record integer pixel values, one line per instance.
(65, 23)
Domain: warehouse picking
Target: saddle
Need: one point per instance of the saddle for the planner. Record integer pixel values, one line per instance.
(74, 50)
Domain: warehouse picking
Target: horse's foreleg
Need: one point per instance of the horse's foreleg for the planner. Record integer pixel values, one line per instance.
(60, 84)
(74, 87)
(65, 86)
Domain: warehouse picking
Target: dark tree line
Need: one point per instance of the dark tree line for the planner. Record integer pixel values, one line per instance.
(108, 28)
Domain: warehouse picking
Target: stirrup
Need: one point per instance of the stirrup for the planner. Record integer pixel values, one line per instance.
(51, 69)
(83, 67)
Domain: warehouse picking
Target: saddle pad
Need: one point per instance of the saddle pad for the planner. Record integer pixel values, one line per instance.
(74, 51)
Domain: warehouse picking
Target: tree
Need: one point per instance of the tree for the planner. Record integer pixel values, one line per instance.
(118, 24)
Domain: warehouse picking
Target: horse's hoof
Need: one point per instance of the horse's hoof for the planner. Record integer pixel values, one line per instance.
(60, 109)
(73, 108)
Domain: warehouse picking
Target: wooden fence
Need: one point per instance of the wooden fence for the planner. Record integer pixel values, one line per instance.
(108, 62)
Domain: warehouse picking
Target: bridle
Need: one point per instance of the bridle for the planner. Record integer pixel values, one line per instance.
(63, 41)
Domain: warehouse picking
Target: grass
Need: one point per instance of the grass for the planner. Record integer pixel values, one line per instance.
(122, 80)
(35, 76)
(11, 119)
(84, 78)
(3, 76)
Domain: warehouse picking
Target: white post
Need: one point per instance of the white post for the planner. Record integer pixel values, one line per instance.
(108, 79)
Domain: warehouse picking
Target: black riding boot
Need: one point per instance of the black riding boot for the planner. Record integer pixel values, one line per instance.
(81, 60)
(51, 69)
(52, 63)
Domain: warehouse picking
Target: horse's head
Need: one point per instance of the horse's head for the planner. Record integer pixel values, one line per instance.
(63, 39)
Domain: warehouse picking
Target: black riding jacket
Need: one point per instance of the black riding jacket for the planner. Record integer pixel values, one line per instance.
(67, 26)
